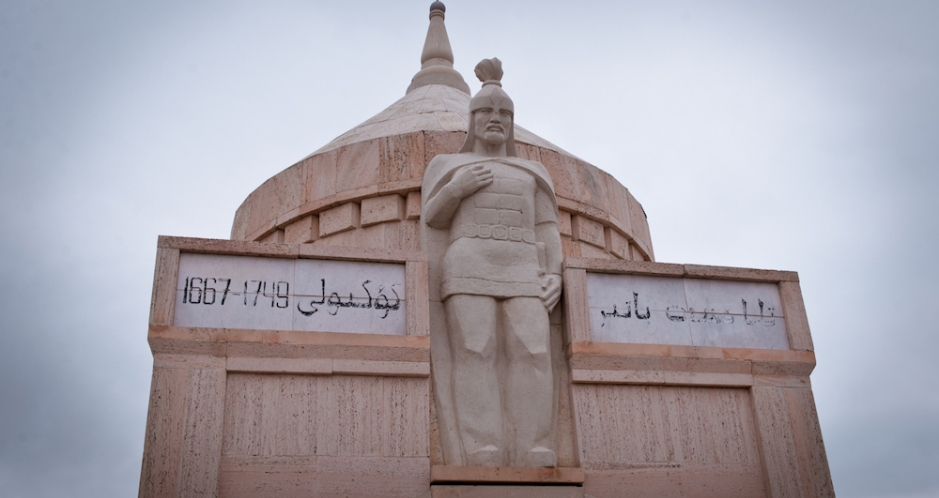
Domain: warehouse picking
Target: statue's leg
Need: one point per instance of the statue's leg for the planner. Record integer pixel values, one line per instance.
(472, 328)
(530, 388)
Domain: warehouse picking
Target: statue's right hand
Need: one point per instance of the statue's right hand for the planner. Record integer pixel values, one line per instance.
(469, 180)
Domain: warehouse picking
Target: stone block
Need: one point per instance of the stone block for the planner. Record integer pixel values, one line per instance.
(591, 251)
(742, 274)
(807, 435)
(357, 166)
(661, 427)
(275, 237)
(442, 142)
(638, 222)
(322, 476)
(352, 476)
(591, 186)
(247, 364)
(569, 248)
(374, 236)
(587, 230)
(655, 358)
(646, 377)
(287, 190)
(618, 199)
(780, 455)
(418, 311)
(184, 433)
(697, 480)
(526, 151)
(256, 213)
(239, 227)
(163, 299)
(564, 223)
(161, 455)
(388, 369)
(647, 268)
(405, 417)
(575, 305)
(319, 176)
(303, 231)
(381, 209)
(800, 337)
(402, 157)
(202, 442)
(231, 247)
(616, 243)
(561, 168)
(413, 206)
(641, 483)
(244, 480)
(404, 236)
(339, 219)
(635, 254)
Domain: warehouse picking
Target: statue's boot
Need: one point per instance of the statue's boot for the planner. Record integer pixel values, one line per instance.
(539, 456)
(487, 456)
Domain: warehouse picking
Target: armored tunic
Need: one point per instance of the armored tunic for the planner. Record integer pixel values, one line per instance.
(493, 250)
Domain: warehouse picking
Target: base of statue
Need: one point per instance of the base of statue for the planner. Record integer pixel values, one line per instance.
(248, 412)
(501, 491)
(454, 474)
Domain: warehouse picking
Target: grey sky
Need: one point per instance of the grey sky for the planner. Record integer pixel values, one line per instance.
(787, 135)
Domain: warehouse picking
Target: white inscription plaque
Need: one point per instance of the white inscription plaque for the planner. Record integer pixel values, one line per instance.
(686, 311)
(290, 294)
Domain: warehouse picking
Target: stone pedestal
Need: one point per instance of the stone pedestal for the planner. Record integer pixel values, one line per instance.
(295, 360)
(242, 411)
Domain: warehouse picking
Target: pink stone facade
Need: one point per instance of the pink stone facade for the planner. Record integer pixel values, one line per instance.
(237, 412)
(355, 189)
(247, 412)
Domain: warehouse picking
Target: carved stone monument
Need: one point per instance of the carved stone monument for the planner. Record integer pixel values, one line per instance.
(388, 320)
(492, 220)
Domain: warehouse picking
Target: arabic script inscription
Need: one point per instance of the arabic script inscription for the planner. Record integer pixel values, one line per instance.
(694, 312)
(281, 294)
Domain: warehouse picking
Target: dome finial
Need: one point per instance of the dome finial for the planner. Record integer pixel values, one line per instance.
(437, 56)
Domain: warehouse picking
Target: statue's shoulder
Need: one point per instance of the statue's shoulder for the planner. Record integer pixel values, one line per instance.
(533, 167)
(526, 163)
(442, 160)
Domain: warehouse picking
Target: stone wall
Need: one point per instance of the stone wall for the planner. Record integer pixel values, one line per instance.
(257, 412)
(367, 194)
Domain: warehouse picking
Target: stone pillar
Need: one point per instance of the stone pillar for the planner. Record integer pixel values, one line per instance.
(183, 445)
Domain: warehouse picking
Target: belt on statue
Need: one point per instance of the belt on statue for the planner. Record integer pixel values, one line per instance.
(497, 232)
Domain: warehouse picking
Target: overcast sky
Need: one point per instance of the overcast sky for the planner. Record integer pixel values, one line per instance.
(788, 135)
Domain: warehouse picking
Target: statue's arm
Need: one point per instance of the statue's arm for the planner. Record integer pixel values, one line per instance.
(439, 209)
(546, 232)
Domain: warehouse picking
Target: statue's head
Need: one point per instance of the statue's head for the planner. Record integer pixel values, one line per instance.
(491, 100)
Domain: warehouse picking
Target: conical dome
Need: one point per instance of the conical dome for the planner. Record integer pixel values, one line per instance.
(363, 188)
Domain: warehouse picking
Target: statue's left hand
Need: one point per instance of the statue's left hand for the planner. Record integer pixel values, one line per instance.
(551, 290)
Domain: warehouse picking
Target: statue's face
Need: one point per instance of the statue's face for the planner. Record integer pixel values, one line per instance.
(492, 124)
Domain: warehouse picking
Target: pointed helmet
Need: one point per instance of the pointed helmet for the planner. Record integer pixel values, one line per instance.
(489, 71)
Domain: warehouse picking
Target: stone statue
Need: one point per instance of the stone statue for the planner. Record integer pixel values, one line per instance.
(495, 219)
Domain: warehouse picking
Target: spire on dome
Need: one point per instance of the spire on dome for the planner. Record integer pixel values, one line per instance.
(437, 56)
